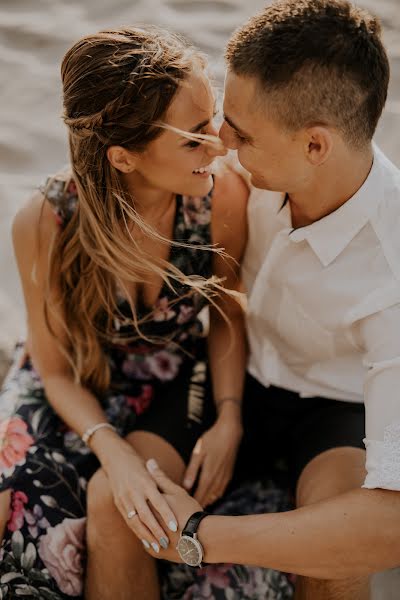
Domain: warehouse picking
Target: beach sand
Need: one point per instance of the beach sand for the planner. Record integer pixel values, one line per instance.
(33, 39)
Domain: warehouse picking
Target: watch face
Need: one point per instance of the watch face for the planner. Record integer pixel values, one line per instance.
(190, 551)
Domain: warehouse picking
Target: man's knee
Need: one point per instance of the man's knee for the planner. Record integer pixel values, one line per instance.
(332, 472)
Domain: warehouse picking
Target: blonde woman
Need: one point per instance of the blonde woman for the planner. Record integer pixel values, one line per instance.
(117, 259)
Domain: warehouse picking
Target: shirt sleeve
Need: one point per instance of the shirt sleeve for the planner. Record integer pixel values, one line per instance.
(380, 337)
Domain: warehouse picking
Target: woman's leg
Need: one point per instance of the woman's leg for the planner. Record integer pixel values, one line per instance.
(5, 498)
(118, 566)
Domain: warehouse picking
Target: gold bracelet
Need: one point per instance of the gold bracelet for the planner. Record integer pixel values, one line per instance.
(92, 430)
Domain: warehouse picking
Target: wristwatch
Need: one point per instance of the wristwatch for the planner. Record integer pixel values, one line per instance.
(189, 548)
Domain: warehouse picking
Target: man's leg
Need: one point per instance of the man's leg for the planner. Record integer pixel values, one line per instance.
(330, 473)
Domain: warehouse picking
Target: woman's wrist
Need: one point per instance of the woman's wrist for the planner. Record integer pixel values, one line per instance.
(104, 445)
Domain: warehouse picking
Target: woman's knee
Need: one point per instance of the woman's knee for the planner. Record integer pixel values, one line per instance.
(100, 500)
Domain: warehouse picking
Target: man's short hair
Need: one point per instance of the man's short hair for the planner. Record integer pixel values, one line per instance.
(319, 62)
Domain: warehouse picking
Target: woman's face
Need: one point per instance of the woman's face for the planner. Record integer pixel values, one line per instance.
(171, 162)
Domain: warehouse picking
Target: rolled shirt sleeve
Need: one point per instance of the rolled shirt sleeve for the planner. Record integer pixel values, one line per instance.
(380, 337)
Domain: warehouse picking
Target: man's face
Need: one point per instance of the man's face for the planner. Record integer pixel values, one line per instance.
(274, 158)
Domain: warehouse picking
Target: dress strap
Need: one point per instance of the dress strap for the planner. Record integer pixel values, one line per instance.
(60, 191)
(193, 224)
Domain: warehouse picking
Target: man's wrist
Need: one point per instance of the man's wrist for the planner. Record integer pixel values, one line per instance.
(230, 407)
(206, 538)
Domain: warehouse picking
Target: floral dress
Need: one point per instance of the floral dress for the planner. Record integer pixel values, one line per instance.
(47, 467)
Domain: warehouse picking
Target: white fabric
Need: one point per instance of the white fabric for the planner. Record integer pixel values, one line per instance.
(324, 307)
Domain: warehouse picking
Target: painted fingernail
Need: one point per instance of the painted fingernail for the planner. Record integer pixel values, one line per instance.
(155, 547)
(187, 483)
(173, 525)
(151, 465)
(164, 542)
(146, 544)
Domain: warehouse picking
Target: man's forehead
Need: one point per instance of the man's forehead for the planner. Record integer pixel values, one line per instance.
(239, 90)
(239, 100)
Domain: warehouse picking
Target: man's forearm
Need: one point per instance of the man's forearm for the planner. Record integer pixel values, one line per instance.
(355, 533)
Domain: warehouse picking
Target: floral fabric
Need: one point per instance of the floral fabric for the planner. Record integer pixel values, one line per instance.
(46, 465)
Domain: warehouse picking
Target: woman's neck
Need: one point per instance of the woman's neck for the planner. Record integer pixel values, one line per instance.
(151, 203)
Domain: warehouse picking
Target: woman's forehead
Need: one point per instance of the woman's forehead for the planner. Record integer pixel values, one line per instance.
(192, 103)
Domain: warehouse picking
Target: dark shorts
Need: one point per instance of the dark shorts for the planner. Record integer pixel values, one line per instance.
(182, 409)
(284, 432)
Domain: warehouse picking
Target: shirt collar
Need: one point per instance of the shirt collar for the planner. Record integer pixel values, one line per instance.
(329, 236)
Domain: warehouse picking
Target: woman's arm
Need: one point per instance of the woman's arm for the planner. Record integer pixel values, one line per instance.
(34, 230)
(216, 451)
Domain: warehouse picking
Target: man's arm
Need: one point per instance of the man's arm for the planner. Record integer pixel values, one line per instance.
(356, 533)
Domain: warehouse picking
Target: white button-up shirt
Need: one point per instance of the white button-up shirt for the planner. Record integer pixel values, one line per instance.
(324, 307)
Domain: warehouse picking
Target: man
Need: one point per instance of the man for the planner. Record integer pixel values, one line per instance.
(306, 84)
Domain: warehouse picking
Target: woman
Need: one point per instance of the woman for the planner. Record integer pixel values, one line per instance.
(116, 267)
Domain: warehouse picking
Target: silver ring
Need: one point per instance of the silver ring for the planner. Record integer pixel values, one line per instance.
(131, 514)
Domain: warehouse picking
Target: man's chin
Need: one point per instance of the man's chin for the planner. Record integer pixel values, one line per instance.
(259, 183)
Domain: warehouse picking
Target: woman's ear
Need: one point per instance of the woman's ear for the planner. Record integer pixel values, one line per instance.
(122, 159)
(318, 145)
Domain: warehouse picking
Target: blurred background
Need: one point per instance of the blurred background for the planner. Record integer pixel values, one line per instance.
(34, 35)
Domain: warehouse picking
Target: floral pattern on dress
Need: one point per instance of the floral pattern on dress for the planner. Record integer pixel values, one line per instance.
(47, 466)
(228, 581)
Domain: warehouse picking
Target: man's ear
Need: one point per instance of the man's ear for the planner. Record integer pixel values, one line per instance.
(122, 159)
(318, 145)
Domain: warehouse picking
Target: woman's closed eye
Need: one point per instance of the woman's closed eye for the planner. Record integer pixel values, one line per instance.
(192, 144)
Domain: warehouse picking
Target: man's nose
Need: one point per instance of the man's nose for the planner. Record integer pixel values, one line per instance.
(216, 149)
(226, 136)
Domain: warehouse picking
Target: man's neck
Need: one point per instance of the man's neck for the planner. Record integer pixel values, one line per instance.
(337, 181)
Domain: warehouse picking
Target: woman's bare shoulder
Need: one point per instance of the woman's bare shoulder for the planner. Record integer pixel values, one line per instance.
(34, 221)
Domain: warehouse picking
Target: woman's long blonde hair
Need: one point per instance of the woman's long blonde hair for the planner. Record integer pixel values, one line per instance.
(117, 88)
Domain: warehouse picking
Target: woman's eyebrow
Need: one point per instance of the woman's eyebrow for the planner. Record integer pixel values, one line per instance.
(205, 122)
(199, 126)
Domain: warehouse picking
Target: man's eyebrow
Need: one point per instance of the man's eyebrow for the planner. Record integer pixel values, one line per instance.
(236, 128)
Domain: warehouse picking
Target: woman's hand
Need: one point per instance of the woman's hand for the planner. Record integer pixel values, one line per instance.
(214, 457)
(180, 502)
(136, 495)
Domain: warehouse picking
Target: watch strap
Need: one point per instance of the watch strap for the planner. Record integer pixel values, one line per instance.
(193, 523)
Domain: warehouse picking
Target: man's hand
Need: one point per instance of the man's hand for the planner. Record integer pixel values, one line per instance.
(182, 505)
(214, 458)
